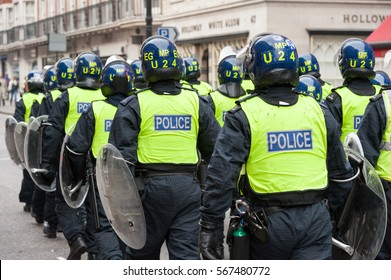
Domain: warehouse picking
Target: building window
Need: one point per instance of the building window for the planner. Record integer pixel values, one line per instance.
(30, 11)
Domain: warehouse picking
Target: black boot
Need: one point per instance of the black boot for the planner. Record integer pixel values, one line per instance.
(78, 248)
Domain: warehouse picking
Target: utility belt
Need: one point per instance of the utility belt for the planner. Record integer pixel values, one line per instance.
(150, 170)
(144, 172)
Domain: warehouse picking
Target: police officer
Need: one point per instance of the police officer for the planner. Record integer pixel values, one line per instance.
(63, 78)
(62, 72)
(381, 79)
(65, 112)
(139, 80)
(160, 130)
(229, 89)
(43, 205)
(311, 86)
(375, 137)
(308, 65)
(192, 73)
(291, 149)
(23, 109)
(91, 132)
(347, 103)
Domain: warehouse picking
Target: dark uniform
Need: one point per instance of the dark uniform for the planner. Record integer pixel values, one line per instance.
(159, 131)
(44, 202)
(64, 114)
(91, 132)
(291, 147)
(23, 111)
(375, 137)
(230, 87)
(192, 73)
(347, 103)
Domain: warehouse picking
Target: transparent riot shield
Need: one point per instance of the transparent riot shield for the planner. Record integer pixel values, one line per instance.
(74, 191)
(19, 137)
(33, 153)
(120, 197)
(10, 124)
(361, 227)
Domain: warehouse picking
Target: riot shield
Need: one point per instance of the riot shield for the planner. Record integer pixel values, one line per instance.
(19, 137)
(353, 142)
(33, 153)
(10, 124)
(120, 197)
(73, 191)
(361, 227)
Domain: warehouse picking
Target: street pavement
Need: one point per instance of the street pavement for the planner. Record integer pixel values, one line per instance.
(21, 238)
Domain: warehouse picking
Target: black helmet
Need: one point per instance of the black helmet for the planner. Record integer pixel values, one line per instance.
(272, 60)
(35, 81)
(192, 68)
(356, 59)
(49, 79)
(308, 64)
(87, 67)
(309, 85)
(65, 73)
(117, 77)
(160, 59)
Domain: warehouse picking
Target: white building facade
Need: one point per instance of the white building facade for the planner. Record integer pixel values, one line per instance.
(204, 27)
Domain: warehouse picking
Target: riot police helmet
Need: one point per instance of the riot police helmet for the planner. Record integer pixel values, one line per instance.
(309, 85)
(381, 79)
(117, 77)
(356, 59)
(50, 79)
(308, 64)
(65, 74)
(88, 67)
(160, 59)
(137, 72)
(272, 60)
(192, 69)
(34, 81)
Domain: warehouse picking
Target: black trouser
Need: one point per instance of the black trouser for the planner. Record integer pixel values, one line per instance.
(73, 221)
(38, 202)
(385, 251)
(27, 188)
(106, 239)
(296, 233)
(50, 214)
(171, 206)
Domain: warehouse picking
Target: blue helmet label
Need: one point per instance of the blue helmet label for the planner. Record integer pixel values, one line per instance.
(83, 106)
(172, 122)
(108, 125)
(357, 121)
(289, 140)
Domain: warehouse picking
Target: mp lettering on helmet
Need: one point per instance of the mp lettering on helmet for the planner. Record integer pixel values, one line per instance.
(108, 124)
(82, 107)
(362, 55)
(289, 140)
(357, 121)
(164, 53)
(172, 122)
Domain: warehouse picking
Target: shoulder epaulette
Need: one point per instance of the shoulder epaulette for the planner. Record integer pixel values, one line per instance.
(332, 96)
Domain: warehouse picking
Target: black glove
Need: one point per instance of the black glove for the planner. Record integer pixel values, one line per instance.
(50, 175)
(210, 244)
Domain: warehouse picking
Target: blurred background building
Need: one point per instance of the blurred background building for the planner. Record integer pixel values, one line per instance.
(34, 33)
